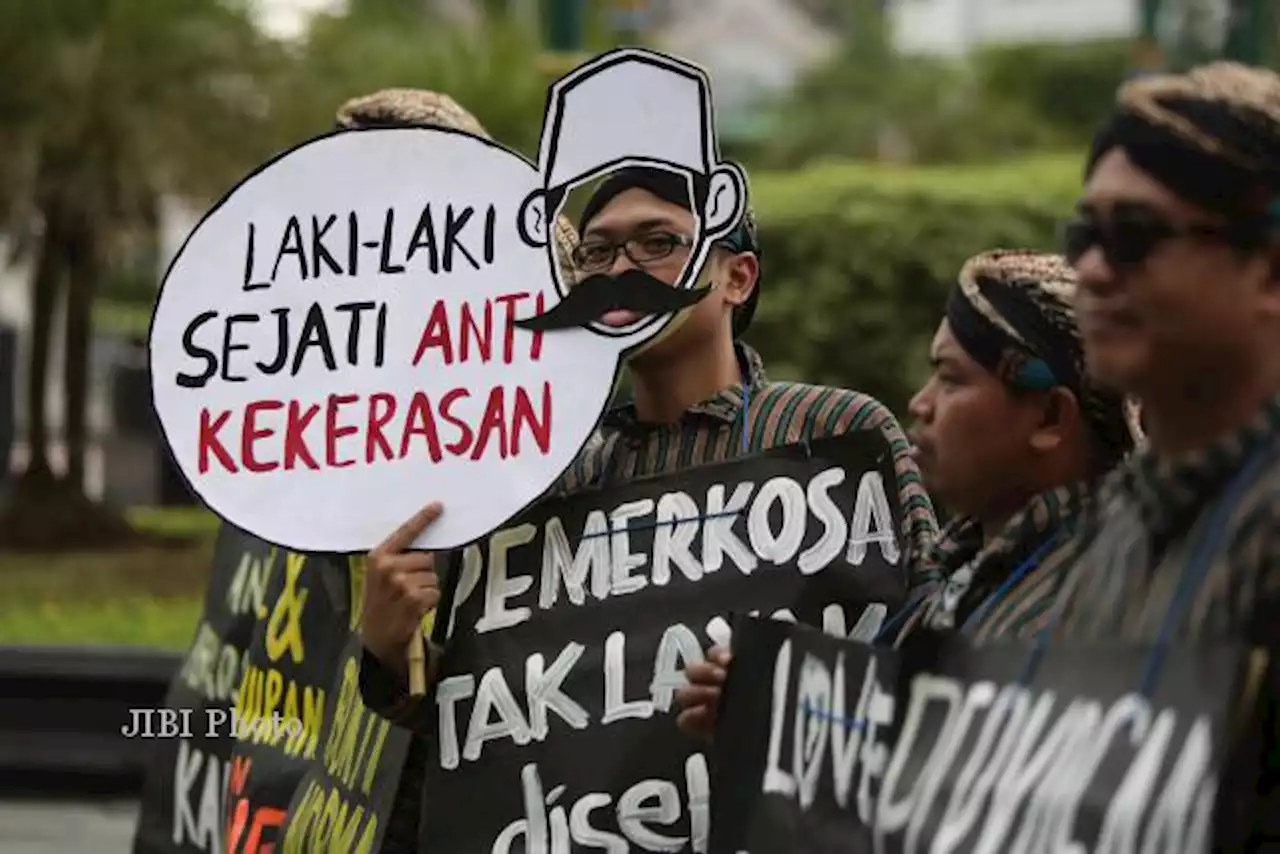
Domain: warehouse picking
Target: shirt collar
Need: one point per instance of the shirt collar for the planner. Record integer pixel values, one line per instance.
(724, 406)
(1168, 491)
(960, 544)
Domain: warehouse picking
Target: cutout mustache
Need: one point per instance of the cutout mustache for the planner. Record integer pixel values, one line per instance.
(631, 290)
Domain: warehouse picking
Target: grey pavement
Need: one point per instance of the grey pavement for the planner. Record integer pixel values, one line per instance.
(67, 827)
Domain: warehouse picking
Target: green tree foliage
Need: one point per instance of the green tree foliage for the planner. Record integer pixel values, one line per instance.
(1066, 89)
(124, 102)
(120, 102)
(377, 44)
(858, 259)
(867, 101)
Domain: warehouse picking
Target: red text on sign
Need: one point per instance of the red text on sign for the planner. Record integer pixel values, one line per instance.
(471, 334)
(269, 435)
(247, 825)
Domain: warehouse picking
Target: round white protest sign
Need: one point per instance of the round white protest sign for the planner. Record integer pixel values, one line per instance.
(333, 347)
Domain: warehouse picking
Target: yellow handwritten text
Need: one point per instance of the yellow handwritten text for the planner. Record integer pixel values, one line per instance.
(324, 822)
(284, 629)
(356, 737)
(355, 576)
(268, 703)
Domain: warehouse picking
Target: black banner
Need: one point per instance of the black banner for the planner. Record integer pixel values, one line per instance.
(281, 707)
(1080, 760)
(1077, 758)
(345, 798)
(572, 626)
(183, 805)
(804, 736)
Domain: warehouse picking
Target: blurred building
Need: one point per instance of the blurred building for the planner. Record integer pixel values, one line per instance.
(955, 27)
(754, 50)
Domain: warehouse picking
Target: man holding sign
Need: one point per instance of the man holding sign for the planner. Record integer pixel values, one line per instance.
(713, 421)
(700, 396)
(397, 326)
(400, 108)
(1144, 716)
(1176, 249)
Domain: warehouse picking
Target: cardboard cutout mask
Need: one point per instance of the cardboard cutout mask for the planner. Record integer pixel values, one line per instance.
(632, 108)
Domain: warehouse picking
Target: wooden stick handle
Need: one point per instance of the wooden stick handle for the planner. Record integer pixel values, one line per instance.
(418, 664)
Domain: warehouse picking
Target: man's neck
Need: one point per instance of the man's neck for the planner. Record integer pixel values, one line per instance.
(1070, 467)
(1180, 422)
(994, 523)
(663, 391)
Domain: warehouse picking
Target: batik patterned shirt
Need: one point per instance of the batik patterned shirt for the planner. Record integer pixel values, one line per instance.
(1120, 584)
(961, 575)
(1119, 580)
(745, 418)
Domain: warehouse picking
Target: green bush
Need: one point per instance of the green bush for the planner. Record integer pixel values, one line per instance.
(858, 259)
(867, 100)
(1067, 89)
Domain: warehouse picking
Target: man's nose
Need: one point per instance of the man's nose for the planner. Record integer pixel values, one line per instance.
(921, 405)
(621, 263)
(1094, 273)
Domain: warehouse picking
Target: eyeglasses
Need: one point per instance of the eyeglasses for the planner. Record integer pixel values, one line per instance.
(594, 256)
(1127, 240)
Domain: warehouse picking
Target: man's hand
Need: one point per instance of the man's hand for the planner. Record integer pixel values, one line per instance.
(400, 588)
(700, 699)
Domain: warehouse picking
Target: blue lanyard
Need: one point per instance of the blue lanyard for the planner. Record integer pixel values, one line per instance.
(896, 622)
(1194, 571)
(1023, 569)
(1021, 572)
(1198, 565)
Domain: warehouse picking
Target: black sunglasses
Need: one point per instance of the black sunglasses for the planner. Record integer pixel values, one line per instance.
(1126, 240)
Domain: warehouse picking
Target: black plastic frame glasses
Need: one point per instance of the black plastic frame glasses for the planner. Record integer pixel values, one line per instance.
(595, 256)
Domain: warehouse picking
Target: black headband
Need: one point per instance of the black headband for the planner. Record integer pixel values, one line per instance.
(1208, 180)
(1049, 355)
(666, 185)
(1051, 352)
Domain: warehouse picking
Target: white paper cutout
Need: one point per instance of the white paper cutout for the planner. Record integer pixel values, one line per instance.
(634, 107)
(510, 408)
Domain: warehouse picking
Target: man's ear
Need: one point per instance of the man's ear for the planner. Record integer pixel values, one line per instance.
(1059, 416)
(737, 277)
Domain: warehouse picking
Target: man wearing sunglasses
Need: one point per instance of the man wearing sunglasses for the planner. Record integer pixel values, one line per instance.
(1177, 249)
